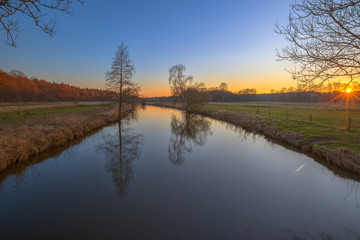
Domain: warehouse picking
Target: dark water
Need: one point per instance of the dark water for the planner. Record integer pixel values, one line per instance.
(177, 176)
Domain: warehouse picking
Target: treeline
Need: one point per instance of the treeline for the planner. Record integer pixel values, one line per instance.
(291, 94)
(16, 87)
(222, 94)
(226, 96)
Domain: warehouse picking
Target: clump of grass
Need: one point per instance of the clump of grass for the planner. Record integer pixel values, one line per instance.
(21, 140)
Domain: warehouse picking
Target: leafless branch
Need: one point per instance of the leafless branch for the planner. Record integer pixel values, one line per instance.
(37, 10)
(324, 37)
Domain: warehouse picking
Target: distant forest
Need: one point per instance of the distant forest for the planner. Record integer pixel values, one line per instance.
(304, 96)
(226, 96)
(221, 94)
(16, 87)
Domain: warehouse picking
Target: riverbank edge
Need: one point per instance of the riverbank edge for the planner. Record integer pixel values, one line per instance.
(19, 143)
(341, 157)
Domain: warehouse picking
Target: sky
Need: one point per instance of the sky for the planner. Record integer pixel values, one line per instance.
(231, 41)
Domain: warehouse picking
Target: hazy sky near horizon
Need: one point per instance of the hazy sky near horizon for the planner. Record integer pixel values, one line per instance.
(231, 41)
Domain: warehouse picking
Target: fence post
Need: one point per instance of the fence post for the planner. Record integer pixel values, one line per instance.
(349, 124)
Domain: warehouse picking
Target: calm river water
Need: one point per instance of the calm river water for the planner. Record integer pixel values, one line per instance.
(177, 176)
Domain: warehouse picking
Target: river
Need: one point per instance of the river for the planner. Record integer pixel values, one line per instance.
(172, 175)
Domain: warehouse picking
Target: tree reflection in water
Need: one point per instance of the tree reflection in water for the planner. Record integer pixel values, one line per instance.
(122, 148)
(189, 130)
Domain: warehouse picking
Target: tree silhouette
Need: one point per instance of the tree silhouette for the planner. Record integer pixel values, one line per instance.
(119, 78)
(324, 38)
(34, 9)
(183, 88)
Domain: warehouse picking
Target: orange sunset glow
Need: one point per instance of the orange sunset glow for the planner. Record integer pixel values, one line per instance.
(179, 120)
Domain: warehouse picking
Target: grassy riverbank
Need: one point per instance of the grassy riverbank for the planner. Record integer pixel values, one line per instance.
(26, 133)
(320, 130)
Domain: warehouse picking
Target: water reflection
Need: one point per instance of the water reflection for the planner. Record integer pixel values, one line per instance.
(349, 233)
(132, 116)
(122, 148)
(21, 172)
(244, 136)
(352, 188)
(188, 131)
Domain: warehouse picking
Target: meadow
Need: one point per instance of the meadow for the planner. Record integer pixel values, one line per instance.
(334, 115)
(19, 116)
(15, 107)
(323, 125)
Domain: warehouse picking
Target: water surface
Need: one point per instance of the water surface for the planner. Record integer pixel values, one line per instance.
(177, 176)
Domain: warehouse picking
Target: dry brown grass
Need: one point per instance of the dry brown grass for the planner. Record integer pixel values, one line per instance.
(19, 142)
(25, 106)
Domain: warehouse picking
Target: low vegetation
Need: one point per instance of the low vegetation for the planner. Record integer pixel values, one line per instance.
(28, 133)
(326, 134)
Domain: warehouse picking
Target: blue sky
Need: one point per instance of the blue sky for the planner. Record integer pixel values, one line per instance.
(218, 41)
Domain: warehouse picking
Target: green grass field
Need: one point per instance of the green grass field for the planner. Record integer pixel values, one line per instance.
(15, 117)
(332, 115)
(321, 124)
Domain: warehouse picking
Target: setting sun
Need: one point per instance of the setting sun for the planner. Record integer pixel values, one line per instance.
(205, 119)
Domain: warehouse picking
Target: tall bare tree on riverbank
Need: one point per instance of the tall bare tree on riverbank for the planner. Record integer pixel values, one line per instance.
(324, 38)
(119, 78)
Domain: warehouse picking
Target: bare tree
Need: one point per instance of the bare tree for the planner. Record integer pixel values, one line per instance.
(324, 38)
(223, 87)
(36, 10)
(193, 94)
(179, 81)
(119, 78)
(247, 91)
